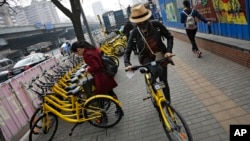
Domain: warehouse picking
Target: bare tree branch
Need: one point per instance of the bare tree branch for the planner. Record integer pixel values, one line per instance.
(3, 2)
(66, 11)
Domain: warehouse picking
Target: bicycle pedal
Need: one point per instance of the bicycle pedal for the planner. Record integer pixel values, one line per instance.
(98, 121)
(146, 98)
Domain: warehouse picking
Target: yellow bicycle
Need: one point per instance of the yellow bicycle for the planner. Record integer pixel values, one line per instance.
(99, 110)
(173, 123)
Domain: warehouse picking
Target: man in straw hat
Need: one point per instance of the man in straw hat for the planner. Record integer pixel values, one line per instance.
(148, 35)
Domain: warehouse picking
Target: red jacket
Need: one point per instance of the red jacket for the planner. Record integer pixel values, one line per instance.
(102, 81)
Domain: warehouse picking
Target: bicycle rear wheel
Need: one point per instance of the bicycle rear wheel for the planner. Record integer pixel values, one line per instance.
(115, 59)
(179, 128)
(119, 50)
(44, 128)
(35, 116)
(105, 112)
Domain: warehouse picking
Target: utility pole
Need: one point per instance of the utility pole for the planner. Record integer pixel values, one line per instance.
(120, 4)
(87, 26)
(102, 27)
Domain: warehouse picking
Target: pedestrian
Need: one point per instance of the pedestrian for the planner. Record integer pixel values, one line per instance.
(128, 10)
(126, 30)
(67, 48)
(103, 83)
(149, 43)
(191, 31)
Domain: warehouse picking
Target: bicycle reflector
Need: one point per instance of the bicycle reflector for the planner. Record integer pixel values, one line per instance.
(159, 85)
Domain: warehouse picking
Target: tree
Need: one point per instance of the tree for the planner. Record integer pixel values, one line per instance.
(74, 15)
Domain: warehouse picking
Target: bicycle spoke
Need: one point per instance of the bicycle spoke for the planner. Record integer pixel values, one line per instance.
(179, 130)
(110, 112)
(44, 128)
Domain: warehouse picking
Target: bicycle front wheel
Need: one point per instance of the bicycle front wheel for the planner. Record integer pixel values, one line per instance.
(103, 112)
(44, 128)
(179, 129)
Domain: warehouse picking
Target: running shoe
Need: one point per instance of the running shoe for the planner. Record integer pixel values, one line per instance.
(199, 54)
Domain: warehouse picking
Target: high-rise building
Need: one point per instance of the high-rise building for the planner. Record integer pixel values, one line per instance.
(41, 11)
(38, 12)
(7, 16)
(20, 15)
(97, 8)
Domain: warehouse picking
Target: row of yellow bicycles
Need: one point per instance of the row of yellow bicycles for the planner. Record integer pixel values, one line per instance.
(114, 44)
(67, 93)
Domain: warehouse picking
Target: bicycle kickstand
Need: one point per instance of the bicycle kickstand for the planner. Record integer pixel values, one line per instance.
(73, 129)
(146, 98)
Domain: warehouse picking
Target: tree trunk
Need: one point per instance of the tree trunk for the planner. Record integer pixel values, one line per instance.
(74, 16)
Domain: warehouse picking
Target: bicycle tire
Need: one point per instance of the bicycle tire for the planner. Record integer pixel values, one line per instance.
(119, 50)
(37, 132)
(115, 59)
(180, 130)
(107, 108)
(35, 116)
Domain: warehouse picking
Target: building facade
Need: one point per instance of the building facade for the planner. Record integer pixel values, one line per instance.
(38, 12)
(7, 17)
(41, 11)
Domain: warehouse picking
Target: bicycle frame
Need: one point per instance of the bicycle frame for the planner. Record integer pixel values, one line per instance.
(158, 97)
(76, 107)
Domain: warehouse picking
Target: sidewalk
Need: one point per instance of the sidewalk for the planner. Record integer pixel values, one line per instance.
(211, 93)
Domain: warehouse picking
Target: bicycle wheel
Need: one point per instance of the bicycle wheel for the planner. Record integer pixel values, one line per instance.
(180, 130)
(115, 59)
(103, 112)
(35, 116)
(119, 50)
(44, 128)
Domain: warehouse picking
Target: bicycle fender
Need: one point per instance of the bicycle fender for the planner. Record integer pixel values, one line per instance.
(103, 96)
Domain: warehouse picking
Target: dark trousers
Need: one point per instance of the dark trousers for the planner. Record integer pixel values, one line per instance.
(112, 93)
(162, 73)
(191, 36)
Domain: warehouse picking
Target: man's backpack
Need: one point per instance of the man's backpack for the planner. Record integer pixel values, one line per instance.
(110, 66)
(190, 21)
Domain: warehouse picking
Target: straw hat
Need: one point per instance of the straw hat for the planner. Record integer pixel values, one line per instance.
(139, 14)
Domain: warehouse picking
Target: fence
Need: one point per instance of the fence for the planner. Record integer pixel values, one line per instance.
(16, 104)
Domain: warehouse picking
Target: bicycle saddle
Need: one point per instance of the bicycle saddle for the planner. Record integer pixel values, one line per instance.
(71, 87)
(74, 91)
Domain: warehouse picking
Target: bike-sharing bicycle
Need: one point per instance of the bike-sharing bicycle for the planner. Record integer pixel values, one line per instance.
(100, 110)
(174, 125)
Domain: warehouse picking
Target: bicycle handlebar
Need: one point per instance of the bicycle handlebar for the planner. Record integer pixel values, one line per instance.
(151, 64)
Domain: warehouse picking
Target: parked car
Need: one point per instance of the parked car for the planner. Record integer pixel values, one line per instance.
(26, 63)
(3, 76)
(6, 64)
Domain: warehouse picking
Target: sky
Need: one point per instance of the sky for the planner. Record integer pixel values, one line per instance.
(87, 6)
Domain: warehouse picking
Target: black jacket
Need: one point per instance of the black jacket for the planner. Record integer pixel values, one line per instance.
(127, 28)
(157, 32)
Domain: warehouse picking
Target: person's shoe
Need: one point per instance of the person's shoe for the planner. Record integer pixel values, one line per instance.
(194, 51)
(199, 54)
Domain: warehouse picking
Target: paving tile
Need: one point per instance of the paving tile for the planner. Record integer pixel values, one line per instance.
(210, 93)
